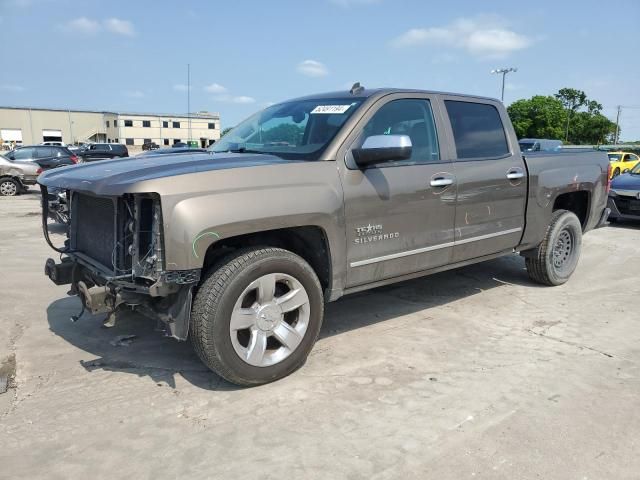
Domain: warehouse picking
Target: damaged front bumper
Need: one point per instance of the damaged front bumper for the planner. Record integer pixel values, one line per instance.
(113, 257)
(167, 300)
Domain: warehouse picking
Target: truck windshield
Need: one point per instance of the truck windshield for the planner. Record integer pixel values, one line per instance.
(298, 130)
(635, 170)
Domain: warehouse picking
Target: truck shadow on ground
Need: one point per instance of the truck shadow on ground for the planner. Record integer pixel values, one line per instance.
(163, 359)
(626, 224)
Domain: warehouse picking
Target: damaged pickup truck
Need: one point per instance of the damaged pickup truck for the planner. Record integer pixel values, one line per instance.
(240, 247)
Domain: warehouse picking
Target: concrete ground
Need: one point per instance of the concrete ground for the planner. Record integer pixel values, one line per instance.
(474, 373)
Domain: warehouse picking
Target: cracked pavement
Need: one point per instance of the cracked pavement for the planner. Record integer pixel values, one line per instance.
(474, 373)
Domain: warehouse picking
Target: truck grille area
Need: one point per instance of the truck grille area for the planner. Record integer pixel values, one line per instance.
(93, 227)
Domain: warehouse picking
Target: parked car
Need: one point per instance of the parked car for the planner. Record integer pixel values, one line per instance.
(624, 196)
(150, 146)
(539, 145)
(15, 176)
(621, 161)
(46, 157)
(180, 145)
(103, 151)
(312, 199)
(81, 146)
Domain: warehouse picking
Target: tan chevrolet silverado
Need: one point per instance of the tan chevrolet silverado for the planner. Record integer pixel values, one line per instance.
(311, 199)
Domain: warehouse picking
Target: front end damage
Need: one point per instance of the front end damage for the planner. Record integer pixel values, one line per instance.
(113, 258)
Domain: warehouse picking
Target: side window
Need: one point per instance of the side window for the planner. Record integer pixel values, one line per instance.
(23, 154)
(102, 147)
(477, 130)
(412, 117)
(630, 157)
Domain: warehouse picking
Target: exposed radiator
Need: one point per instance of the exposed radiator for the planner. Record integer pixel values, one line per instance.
(93, 227)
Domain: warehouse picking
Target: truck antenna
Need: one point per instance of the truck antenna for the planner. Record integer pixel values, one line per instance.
(356, 89)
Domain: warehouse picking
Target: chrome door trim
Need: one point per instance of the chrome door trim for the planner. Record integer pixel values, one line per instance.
(488, 235)
(432, 248)
(393, 256)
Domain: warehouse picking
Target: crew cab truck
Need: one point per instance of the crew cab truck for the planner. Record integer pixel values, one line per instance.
(312, 199)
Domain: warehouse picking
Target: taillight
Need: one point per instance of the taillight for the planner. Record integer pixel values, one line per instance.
(74, 158)
(608, 177)
(39, 171)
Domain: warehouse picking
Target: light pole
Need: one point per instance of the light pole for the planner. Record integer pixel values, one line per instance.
(504, 72)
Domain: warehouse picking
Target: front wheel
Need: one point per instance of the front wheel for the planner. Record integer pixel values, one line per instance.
(257, 315)
(616, 172)
(556, 258)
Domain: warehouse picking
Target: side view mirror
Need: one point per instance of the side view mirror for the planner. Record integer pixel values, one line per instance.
(626, 170)
(382, 148)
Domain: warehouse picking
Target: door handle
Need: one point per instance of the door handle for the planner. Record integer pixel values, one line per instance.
(441, 182)
(515, 175)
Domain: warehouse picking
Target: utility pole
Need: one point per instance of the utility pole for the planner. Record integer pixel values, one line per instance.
(616, 138)
(189, 101)
(504, 72)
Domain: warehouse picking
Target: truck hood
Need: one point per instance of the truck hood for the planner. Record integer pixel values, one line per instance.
(113, 177)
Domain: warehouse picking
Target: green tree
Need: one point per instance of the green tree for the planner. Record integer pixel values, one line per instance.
(569, 114)
(572, 100)
(538, 117)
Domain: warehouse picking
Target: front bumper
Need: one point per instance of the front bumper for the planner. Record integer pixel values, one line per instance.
(624, 206)
(168, 299)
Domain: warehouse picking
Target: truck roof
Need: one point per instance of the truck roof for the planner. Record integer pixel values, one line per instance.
(379, 92)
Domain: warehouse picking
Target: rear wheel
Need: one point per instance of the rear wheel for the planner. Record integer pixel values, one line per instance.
(257, 315)
(556, 258)
(9, 187)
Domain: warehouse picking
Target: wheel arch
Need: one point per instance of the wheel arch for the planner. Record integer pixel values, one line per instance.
(309, 242)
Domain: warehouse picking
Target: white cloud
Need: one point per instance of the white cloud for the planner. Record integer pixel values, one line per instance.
(12, 88)
(90, 26)
(84, 25)
(120, 27)
(484, 36)
(234, 99)
(312, 68)
(134, 94)
(215, 88)
(180, 87)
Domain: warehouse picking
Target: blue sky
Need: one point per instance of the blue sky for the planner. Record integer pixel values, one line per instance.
(132, 55)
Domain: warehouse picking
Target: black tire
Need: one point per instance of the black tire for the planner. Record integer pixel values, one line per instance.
(555, 259)
(216, 298)
(616, 172)
(9, 187)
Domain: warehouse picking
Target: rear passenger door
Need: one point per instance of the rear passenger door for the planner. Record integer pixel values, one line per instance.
(491, 179)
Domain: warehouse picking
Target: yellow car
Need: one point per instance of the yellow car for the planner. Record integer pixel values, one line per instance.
(621, 161)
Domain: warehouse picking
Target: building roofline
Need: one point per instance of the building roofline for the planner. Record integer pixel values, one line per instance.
(194, 115)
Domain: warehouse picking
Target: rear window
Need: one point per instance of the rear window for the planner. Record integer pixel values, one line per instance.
(44, 152)
(62, 152)
(477, 130)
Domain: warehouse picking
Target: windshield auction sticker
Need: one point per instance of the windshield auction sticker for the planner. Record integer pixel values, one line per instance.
(330, 109)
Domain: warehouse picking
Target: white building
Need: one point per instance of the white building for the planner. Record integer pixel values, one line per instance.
(26, 126)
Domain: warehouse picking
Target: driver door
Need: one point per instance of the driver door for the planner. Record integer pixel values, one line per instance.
(399, 214)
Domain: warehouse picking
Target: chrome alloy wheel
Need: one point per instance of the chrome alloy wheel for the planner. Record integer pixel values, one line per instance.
(562, 249)
(269, 319)
(8, 188)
